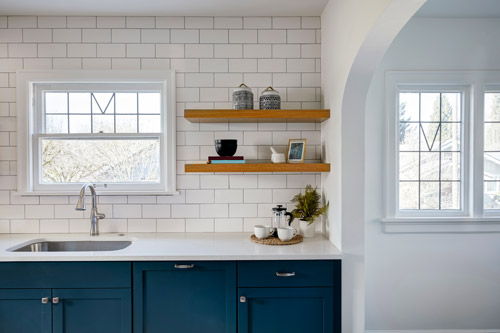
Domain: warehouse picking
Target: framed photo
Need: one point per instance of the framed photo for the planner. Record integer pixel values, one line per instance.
(296, 151)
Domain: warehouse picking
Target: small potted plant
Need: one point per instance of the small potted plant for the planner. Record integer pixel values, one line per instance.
(308, 208)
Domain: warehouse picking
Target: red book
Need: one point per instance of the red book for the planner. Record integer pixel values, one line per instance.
(216, 158)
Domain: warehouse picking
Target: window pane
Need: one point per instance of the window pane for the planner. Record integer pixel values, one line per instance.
(429, 195)
(408, 107)
(429, 166)
(79, 102)
(56, 102)
(492, 195)
(450, 195)
(429, 137)
(492, 137)
(100, 160)
(149, 124)
(149, 103)
(451, 107)
(126, 103)
(450, 136)
(492, 107)
(103, 123)
(408, 166)
(79, 124)
(56, 124)
(126, 124)
(450, 166)
(408, 195)
(430, 107)
(103, 103)
(408, 137)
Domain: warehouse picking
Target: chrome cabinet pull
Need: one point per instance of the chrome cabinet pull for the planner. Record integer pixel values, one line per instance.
(55, 300)
(183, 266)
(45, 300)
(243, 299)
(285, 274)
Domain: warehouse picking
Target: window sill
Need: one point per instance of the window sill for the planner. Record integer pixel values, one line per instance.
(99, 193)
(441, 225)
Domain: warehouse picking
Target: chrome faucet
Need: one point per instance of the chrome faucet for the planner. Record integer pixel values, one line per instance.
(95, 216)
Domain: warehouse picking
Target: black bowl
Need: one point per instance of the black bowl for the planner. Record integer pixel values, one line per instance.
(226, 147)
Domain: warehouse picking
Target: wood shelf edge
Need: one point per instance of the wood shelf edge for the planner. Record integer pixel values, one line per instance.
(258, 167)
(213, 115)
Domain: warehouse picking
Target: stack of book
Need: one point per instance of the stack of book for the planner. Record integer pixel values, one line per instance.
(226, 159)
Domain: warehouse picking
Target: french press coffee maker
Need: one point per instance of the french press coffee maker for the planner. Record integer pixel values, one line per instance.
(281, 218)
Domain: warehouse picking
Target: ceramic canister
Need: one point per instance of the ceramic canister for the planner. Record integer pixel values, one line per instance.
(243, 98)
(270, 99)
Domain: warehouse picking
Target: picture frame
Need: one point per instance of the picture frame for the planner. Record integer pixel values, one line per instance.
(296, 151)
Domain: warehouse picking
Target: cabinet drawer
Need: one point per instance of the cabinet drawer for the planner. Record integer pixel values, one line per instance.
(310, 273)
(65, 275)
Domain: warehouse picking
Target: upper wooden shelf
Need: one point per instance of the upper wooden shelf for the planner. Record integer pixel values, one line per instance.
(263, 116)
(258, 166)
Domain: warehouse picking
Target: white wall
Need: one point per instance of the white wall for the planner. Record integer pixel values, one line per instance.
(428, 281)
(211, 55)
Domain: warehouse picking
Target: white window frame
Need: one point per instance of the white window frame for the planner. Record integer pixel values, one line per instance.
(29, 127)
(475, 84)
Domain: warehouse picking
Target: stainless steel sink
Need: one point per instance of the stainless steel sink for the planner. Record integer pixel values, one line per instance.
(72, 246)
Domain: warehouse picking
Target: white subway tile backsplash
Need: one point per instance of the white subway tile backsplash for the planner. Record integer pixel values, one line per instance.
(211, 56)
(257, 23)
(286, 22)
(199, 51)
(214, 36)
(214, 210)
(229, 225)
(141, 225)
(155, 36)
(169, 22)
(81, 22)
(155, 211)
(199, 225)
(214, 181)
(228, 51)
(126, 35)
(170, 225)
(111, 22)
(37, 36)
(185, 211)
(272, 36)
(185, 36)
(228, 22)
(96, 36)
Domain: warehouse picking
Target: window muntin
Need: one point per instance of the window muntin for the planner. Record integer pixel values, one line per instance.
(491, 157)
(430, 150)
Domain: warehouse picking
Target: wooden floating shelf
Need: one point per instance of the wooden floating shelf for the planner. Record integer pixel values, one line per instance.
(259, 167)
(262, 116)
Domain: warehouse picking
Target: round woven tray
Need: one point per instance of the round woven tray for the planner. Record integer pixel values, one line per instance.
(276, 240)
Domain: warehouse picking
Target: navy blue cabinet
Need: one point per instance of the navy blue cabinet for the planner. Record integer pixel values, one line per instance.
(289, 296)
(22, 311)
(69, 297)
(184, 297)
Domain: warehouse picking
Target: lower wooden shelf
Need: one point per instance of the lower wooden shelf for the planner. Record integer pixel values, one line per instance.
(259, 167)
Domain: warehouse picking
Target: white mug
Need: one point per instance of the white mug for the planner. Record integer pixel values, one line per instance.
(263, 231)
(286, 233)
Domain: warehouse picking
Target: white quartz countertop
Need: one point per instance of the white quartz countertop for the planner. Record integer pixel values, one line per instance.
(172, 246)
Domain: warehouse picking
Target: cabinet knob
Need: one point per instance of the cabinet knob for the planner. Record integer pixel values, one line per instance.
(285, 274)
(45, 300)
(183, 266)
(243, 299)
(55, 300)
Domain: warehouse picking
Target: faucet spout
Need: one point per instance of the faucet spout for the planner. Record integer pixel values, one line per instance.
(95, 216)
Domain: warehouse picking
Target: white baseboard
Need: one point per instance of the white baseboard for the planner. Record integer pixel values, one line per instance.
(433, 331)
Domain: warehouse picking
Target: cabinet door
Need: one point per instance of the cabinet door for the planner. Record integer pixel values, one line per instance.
(183, 297)
(22, 311)
(290, 310)
(91, 310)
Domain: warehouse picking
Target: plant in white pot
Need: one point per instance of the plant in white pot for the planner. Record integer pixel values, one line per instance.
(308, 209)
